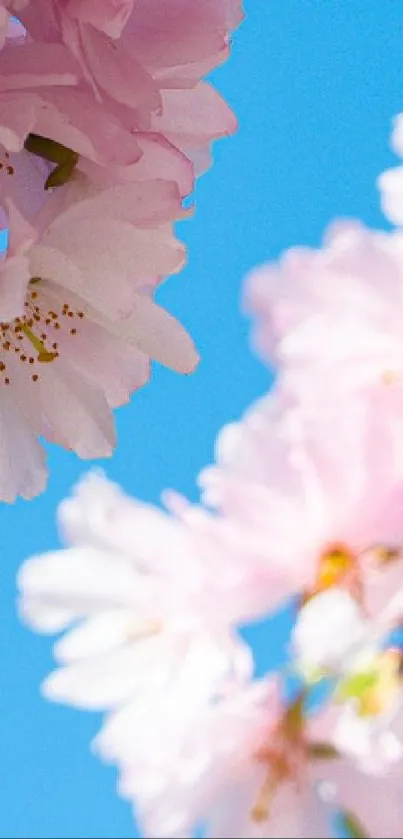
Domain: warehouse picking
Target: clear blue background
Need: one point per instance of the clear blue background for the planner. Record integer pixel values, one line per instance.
(315, 84)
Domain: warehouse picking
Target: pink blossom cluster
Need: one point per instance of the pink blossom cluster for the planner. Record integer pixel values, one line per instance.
(303, 505)
(105, 122)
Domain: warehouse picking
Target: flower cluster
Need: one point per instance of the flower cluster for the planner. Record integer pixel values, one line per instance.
(105, 122)
(303, 505)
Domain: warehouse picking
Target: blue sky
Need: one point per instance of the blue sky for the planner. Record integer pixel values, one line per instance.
(315, 84)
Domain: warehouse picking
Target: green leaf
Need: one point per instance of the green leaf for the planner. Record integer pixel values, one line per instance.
(312, 675)
(322, 751)
(353, 826)
(62, 174)
(66, 160)
(356, 685)
(47, 149)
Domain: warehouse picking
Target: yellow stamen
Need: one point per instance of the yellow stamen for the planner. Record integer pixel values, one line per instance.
(385, 555)
(44, 355)
(335, 564)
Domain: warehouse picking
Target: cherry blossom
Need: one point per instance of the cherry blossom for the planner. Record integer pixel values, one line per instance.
(335, 311)
(73, 346)
(312, 513)
(139, 597)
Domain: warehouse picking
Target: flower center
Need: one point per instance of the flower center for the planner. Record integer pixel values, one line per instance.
(340, 566)
(34, 339)
(336, 564)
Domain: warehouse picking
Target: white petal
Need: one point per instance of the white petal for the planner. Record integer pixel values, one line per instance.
(96, 636)
(157, 334)
(82, 580)
(14, 279)
(74, 413)
(22, 460)
(328, 628)
(111, 680)
(44, 618)
(94, 257)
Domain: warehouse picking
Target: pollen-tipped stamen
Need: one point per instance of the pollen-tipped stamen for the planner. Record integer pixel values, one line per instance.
(44, 356)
